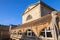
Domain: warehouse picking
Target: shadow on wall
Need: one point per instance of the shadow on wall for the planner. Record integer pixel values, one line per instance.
(24, 37)
(29, 35)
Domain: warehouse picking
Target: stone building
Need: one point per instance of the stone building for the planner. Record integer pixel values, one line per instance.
(39, 22)
(4, 32)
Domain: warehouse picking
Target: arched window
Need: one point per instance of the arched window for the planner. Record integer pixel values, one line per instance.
(29, 32)
(19, 32)
(14, 33)
(29, 17)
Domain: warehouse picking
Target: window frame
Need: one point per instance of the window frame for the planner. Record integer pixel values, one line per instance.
(29, 33)
(14, 33)
(29, 17)
(45, 32)
(19, 32)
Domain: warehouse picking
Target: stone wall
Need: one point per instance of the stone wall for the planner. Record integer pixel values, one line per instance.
(45, 10)
(35, 13)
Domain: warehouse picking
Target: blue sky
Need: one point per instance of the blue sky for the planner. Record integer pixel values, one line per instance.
(11, 10)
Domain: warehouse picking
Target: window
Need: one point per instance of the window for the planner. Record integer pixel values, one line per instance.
(14, 33)
(20, 32)
(49, 34)
(29, 32)
(29, 17)
(46, 32)
(42, 34)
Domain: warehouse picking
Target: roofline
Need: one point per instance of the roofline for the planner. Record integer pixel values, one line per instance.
(30, 9)
(38, 4)
(33, 22)
(47, 6)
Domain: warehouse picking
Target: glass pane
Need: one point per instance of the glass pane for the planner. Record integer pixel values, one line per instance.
(42, 34)
(20, 32)
(49, 34)
(29, 34)
(14, 33)
(29, 17)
